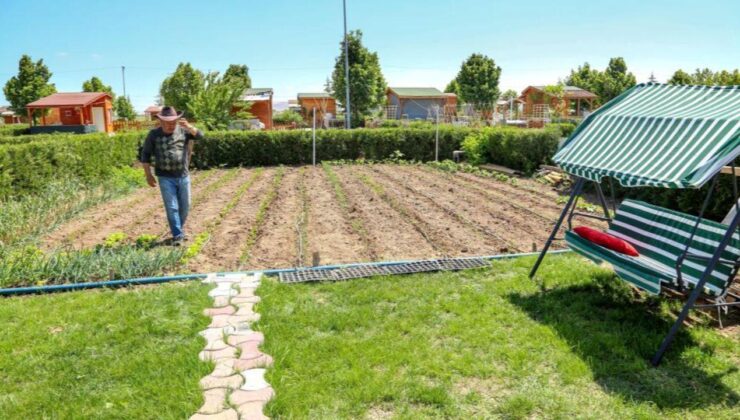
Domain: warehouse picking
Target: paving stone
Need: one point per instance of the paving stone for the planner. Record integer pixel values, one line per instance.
(212, 334)
(220, 321)
(220, 301)
(210, 278)
(224, 368)
(217, 344)
(240, 300)
(241, 320)
(232, 277)
(254, 379)
(229, 414)
(245, 309)
(246, 292)
(252, 336)
(249, 349)
(239, 396)
(252, 411)
(213, 355)
(224, 310)
(261, 361)
(223, 291)
(215, 401)
(231, 382)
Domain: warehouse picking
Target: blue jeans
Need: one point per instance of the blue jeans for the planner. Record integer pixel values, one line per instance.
(176, 197)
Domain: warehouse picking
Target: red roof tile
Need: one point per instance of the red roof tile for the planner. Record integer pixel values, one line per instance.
(68, 99)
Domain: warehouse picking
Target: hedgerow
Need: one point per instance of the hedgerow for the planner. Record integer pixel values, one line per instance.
(516, 148)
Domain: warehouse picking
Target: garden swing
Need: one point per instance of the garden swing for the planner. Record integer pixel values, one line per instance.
(670, 137)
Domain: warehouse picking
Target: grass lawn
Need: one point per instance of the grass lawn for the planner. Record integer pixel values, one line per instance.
(127, 353)
(489, 343)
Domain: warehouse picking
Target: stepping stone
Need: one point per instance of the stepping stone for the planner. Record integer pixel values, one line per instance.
(246, 292)
(238, 320)
(215, 401)
(213, 334)
(220, 321)
(224, 310)
(210, 278)
(229, 414)
(231, 278)
(235, 340)
(224, 368)
(252, 411)
(241, 300)
(239, 397)
(245, 309)
(261, 361)
(220, 301)
(250, 350)
(217, 344)
(223, 291)
(231, 382)
(254, 379)
(213, 355)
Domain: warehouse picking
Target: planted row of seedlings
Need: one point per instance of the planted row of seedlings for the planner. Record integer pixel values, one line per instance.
(256, 229)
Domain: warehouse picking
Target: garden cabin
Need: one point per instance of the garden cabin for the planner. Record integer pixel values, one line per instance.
(325, 104)
(576, 103)
(152, 111)
(78, 112)
(9, 117)
(416, 103)
(260, 100)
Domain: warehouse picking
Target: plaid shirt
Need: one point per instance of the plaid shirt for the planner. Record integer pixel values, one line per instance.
(170, 151)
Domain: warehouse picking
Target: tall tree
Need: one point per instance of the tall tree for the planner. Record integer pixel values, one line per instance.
(239, 72)
(706, 77)
(124, 109)
(509, 94)
(182, 86)
(585, 77)
(478, 80)
(213, 104)
(30, 84)
(453, 87)
(615, 80)
(97, 85)
(367, 85)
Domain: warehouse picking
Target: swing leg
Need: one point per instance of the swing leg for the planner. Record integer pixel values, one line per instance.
(602, 199)
(696, 292)
(573, 194)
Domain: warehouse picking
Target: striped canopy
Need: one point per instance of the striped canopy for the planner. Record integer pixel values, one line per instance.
(657, 135)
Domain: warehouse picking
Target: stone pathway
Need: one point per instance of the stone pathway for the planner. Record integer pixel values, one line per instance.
(236, 389)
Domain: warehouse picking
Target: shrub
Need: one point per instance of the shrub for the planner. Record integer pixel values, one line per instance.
(287, 116)
(13, 129)
(566, 128)
(520, 149)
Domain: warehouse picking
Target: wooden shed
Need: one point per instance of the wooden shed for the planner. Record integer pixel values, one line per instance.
(83, 112)
(537, 102)
(261, 105)
(416, 103)
(10, 117)
(152, 111)
(324, 103)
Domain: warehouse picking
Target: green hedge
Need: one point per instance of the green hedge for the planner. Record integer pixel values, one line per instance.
(253, 148)
(516, 148)
(26, 168)
(13, 129)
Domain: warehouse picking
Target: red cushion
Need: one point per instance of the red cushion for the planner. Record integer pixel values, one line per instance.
(606, 240)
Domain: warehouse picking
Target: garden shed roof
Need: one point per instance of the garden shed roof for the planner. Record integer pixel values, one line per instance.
(68, 99)
(657, 135)
(417, 92)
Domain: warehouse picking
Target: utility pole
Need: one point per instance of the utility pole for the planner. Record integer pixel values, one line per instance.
(347, 112)
(314, 136)
(123, 76)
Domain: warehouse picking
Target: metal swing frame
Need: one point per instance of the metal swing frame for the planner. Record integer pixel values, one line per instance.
(570, 211)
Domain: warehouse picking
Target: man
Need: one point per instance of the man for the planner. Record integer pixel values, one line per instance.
(170, 146)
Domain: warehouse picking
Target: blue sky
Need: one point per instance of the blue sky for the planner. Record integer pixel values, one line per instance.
(290, 45)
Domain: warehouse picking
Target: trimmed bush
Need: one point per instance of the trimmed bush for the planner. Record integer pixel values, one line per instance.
(27, 168)
(521, 149)
(254, 148)
(13, 129)
(566, 128)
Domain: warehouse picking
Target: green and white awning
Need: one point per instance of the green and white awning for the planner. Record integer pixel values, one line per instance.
(657, 135)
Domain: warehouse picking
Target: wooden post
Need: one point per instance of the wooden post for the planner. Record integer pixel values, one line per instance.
(30, 117)
(43, 116)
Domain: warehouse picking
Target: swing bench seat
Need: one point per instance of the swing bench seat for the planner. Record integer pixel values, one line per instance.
(660, 237)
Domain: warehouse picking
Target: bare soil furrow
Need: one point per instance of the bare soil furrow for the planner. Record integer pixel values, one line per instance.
(329, 231)
(224, 247)
(119, 215)
(494, 215)
(470, 238)
(456, 235)
(276, 246)
(392, 236)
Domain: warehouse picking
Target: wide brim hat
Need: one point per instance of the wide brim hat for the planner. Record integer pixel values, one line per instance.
(169, 113)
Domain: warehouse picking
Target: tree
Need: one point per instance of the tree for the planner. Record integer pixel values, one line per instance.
(453, 87)
(478, 81)
(615, 80)
(212, 105)
(30, 84)
(680, 77)
(509, 95)
(557, 92)
(328, 86)
(182, 86)
(367, 85)
(97, 85)
(585, 78)
(239, 72)
(124, 109)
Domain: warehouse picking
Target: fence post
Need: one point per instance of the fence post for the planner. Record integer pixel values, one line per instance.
(314, 136)
(436, 137)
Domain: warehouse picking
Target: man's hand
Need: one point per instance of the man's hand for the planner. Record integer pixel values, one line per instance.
(151, 181)
(182, 122)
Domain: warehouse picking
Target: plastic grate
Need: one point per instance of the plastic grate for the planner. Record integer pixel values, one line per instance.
(462, 263)
(359, 272)
(414, 267)
(302, 276)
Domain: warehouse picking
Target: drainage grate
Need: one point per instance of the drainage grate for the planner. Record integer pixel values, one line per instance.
(414, 267)
(462, 263)
(301, 276)
(359, 271)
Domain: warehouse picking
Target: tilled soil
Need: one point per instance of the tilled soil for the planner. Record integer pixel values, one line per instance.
(393, 212)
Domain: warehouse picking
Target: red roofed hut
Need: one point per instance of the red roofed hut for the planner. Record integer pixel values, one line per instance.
(84, 112)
